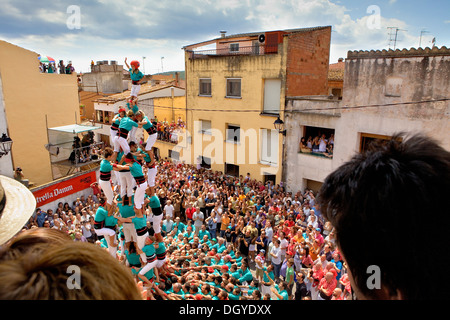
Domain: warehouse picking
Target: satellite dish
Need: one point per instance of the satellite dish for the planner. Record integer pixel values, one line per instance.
(261, 38)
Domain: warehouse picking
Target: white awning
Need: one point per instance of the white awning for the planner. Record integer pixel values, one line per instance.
(74, 128)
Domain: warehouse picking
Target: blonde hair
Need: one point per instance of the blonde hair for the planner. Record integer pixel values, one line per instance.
(140, 113)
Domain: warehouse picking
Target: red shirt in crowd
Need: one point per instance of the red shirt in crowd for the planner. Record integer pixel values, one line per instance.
(327, 286)
(190, 212)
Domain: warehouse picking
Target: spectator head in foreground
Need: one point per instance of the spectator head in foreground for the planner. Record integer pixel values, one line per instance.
(390, 210)
(45, 264)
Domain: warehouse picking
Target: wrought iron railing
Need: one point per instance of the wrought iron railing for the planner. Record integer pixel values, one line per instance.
(257, 50)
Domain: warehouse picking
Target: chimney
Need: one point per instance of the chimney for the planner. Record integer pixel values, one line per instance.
(222, 33)
(177, 78)
(340, 59)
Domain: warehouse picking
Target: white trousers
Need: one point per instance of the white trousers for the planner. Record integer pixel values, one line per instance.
(148, 267)
(141, 243)
(120, 142)
(126, 184)
(105, 232)
(151, 176)
(151, 141)
(135, 88)
(160, 263)
(112, 136)
(139, 195)
(132, 134)
(107, 190)
(112, 249)
(156, 222)
(129, 231)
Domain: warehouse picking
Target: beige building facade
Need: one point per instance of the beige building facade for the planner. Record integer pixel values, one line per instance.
(32, 102)
(236, 88)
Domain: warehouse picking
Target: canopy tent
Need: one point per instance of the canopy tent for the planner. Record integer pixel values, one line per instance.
(74, 128)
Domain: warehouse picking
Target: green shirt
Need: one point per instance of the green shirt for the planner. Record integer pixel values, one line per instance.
(127, 124)
(101, 214)
(289, 274)
(154, 202)
(139, 223)
(126, 211)
(284, 294)
(149, 275)
(110, 221)
(132, 258)
(161, 248)
(134, 109)
(202, 233)
(135, 75)
(148, 125)
(181, 226)
(245, 275)
(136, 170)
(149, 250)
(232, 296)
(105, 166)
(271, 275)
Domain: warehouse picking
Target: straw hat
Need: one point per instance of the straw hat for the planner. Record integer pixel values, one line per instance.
(17, 204)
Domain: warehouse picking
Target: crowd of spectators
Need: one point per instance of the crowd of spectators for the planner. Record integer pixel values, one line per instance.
(226, 237)
(61, 68)
(170, 131)
(319, 145)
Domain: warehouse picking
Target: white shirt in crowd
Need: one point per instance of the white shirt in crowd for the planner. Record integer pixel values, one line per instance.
(269, 234)
(277, 252)
(283, 246)
(168, 209)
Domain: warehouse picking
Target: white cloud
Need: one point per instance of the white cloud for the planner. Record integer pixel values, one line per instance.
(160, 28)
(52, 16)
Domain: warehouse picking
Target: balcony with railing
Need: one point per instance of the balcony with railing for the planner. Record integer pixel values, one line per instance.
(256, 50)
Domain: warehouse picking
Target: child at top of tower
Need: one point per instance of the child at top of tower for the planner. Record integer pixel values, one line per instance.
(136, 79)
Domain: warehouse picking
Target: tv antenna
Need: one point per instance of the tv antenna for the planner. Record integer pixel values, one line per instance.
(421, 34)
(393, 33)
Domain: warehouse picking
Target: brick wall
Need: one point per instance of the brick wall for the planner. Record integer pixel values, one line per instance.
(307, 63)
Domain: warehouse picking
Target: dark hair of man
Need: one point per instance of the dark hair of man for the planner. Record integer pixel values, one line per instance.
(382, 203)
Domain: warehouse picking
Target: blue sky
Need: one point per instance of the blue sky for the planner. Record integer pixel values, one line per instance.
(115, 29)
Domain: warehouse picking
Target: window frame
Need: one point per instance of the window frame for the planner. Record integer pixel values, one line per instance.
(236, 137)
(200, 93)
(263, 153)
(228, 92)
(264, 101)
(208, 131)
(234, 44)
(227, 171)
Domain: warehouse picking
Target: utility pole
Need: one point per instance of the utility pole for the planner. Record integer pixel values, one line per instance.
(162, 70)
(143, 64)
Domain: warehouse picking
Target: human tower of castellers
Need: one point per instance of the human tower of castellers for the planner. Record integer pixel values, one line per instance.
(124, 201)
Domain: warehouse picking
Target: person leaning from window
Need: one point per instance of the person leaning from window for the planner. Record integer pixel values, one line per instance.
(397, 182)
(18, 174)
(303, 147)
